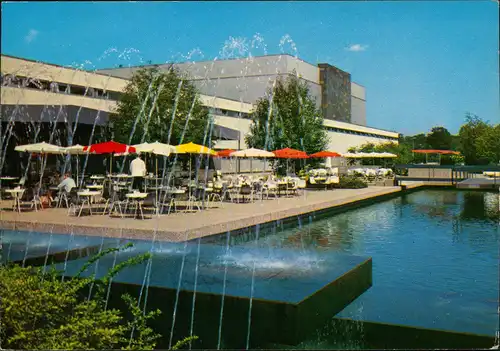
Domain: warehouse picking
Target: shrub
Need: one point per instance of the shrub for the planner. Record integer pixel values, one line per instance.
(351, 182)
(43, 310)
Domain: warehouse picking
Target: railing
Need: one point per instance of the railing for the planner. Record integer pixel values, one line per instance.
(442, 173)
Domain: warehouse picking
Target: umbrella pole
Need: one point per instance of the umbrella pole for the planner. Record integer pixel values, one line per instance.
(156, 180)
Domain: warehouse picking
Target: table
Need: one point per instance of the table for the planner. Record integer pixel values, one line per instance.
(173, 193)
(95, 187)
(136, 199)
(16, 195)
(97, 177)
(87, 199)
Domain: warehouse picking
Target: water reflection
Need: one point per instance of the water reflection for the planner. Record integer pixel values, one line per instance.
(440, 244)
(480, 206)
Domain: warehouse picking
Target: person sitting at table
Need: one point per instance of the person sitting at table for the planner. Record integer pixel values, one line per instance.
(137, 171)
(67, 184)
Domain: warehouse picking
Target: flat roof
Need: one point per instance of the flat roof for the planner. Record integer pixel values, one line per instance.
(60, 66)
(218, 59)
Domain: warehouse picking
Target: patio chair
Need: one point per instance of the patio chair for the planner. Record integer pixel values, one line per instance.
(217, 193)
(105, 198)
(258, 189)
(118, 199)
(75, 202)
(245, 190)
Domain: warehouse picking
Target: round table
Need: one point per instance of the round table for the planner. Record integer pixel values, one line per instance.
(16, 195)
(136, 199)
(87, 199)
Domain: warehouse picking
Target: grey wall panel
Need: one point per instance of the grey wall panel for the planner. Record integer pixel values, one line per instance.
(61, 114)
(358, 111)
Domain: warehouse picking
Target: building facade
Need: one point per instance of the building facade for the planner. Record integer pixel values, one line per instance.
(41, 92)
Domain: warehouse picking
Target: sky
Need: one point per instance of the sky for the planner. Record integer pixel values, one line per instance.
(423, 64)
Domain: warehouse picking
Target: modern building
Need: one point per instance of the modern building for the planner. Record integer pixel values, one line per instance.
(40, 92)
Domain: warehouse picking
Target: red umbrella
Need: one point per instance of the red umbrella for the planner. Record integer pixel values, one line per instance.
(225, 153)
(323, 154)
(290, 153)
(109, 147)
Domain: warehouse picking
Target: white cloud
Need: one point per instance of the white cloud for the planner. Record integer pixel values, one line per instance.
(32, 34)
(356, 47)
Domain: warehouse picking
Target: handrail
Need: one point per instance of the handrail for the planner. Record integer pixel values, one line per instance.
(475, 168)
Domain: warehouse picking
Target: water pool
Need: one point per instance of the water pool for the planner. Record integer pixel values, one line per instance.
(435, 257)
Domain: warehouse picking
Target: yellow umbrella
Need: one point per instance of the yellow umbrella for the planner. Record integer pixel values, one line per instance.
(192, 148)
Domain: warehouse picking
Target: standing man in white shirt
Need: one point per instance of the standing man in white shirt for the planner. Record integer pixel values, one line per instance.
(138, 171)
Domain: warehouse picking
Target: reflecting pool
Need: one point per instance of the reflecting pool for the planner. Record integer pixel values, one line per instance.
(435, 257)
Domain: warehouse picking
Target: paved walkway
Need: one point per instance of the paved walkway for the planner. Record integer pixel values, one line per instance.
(187, 226)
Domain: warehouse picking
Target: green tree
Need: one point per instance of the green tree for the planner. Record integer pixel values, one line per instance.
(469, 133)
(488, 144)
(39, 310)
(402, 150)
(418, 141)
(439, 139)
(290, 120)
(144, 111)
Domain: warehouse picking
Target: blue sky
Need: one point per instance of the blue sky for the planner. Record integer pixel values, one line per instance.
(423, 63)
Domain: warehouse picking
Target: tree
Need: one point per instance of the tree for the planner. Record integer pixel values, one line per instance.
(439, 139)
(402, 150)
(39, 310)
(144, 111)
(469, 133)
(418, 141)
(287, 117)
(488, 144)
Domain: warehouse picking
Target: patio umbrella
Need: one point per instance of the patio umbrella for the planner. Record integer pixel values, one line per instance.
(42, 148)
(439, 152)
(39, 148)
(325, 154)
(156, 148)
(192, 148)
(225, 153)
(75, 150)
(109, 147)
(289, 153)
(251, 153)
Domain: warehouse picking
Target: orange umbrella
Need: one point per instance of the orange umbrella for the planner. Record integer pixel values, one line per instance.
(225, 153)
(290, 153)
(441, 152)
(323, 154)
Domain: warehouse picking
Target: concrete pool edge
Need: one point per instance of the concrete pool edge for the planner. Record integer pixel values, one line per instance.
(195, 232)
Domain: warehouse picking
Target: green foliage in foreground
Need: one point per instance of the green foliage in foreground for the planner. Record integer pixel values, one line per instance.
(351, 182)
(41, 310)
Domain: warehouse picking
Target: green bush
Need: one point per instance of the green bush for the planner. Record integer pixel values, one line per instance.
(351, 182)
(41, 310)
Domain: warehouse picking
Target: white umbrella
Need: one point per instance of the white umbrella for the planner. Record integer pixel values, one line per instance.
(350, 155)
(251, 153)
(75, 150)
(388, 155)
(156, 148)
(40, 148)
